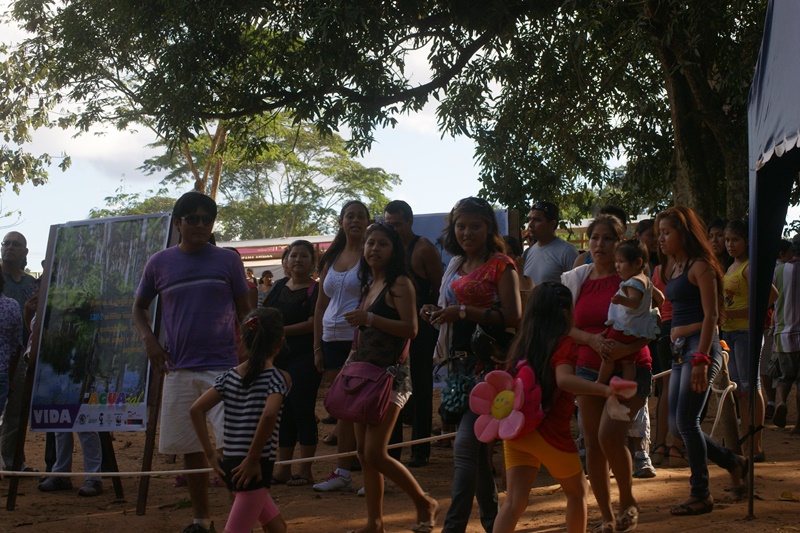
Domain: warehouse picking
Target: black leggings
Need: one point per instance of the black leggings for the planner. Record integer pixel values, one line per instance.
(298, 421)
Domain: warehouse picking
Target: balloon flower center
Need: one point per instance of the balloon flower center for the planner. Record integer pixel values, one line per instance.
(503, 404)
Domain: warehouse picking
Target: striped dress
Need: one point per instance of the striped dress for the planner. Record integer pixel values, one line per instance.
(243, 409)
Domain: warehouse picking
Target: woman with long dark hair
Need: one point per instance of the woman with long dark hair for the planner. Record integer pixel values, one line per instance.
(296, 297)
(593, 286)
(387, 321)
(694, 286)
(333, 335)
(480, 286)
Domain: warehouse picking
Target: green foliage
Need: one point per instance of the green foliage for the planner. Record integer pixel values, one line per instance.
(25, 105)
(574, 89)
(293, 187)
(135, 204)
(550, 90)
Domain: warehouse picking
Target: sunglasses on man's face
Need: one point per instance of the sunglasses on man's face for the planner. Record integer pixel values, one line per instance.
(196, 220)
(13, 244)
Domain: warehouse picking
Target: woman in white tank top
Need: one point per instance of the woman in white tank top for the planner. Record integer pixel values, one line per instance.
(333, 336)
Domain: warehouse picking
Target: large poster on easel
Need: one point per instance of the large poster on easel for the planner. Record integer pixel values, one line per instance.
(92, 369)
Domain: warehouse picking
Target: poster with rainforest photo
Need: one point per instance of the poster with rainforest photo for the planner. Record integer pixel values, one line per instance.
(92, 369)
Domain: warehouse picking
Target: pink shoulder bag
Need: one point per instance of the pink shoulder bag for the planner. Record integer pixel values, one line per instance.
(361, 392)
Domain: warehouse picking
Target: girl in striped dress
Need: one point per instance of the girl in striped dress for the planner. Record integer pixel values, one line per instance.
(252, 394)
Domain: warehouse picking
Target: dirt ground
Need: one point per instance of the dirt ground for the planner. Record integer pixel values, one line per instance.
(310, 512)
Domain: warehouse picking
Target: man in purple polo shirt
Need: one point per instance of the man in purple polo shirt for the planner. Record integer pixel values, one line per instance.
(203, 293)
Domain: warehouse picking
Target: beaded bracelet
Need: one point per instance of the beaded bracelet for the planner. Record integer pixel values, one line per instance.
(700, 359)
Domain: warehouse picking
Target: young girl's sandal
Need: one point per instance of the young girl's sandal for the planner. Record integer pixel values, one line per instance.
(627, 520)
(603, 527)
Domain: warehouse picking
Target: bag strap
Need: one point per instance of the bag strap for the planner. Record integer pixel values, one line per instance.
(357, 332)
(357, 336)
(404, 355)
(310, 291)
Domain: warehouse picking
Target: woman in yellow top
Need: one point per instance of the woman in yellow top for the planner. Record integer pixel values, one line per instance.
(736, 332)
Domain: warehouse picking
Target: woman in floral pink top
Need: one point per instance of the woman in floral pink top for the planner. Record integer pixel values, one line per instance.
(480, 286)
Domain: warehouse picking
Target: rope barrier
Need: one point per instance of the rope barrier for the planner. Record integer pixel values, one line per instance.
(161, 473)
(662, 374)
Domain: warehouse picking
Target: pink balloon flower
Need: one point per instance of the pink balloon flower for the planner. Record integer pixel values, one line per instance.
(498, 401)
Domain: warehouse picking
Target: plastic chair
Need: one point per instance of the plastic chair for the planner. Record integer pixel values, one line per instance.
(722, 392)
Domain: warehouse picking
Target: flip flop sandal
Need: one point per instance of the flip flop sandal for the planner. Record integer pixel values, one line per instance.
(299, 481)
(692, 509)
(427, 527)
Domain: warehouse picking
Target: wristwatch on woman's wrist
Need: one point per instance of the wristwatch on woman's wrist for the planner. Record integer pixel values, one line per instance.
(462, 312)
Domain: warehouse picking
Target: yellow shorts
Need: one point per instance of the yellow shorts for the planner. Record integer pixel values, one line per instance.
(532, 450)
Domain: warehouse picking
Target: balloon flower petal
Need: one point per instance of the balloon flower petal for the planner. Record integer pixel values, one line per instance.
(486, 427)
(481, 398)
(511, 425)
(519, 394)
(500, 380)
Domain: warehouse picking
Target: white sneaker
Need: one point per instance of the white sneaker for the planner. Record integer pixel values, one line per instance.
(643, 467)
(334, 482)
(361, 492)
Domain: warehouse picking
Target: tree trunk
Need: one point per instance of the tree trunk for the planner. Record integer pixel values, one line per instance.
(223, 137)
(693, 185)
(728, 136)
(709, 169)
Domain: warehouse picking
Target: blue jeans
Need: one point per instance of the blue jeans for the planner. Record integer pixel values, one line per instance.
(92, 452)
(739, 362)
(472, 477)
(685, 407)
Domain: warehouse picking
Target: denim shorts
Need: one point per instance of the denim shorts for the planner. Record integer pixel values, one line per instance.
(644, 378)
(334, 354)
(739, 359)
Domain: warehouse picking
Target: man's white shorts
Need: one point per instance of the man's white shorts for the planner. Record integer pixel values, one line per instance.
(181, 389)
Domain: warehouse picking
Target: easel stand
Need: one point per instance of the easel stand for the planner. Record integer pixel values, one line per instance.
(153, 402)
